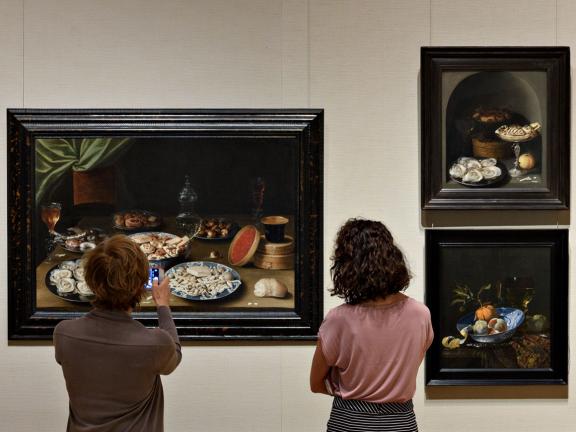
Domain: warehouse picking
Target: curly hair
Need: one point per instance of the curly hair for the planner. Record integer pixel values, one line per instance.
(116, 270)
(366, 264)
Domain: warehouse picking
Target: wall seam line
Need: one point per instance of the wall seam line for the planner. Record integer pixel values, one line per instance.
(282, 399)
(556, 23)
(283, 52)
(23, 53)
(308, 56)
(430, 21)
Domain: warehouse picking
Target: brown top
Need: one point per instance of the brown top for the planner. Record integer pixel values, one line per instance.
(111, 365)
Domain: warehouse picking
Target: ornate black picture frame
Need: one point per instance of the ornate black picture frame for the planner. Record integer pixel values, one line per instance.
(495, 128)
(498, 300)
(90, 170)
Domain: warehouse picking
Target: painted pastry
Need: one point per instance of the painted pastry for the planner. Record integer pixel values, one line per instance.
(517, 133)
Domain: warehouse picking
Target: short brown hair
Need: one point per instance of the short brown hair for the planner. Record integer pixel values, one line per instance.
(116, 270)
(366, 264)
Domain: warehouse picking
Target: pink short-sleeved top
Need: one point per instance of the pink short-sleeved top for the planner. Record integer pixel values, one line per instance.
(375, 350)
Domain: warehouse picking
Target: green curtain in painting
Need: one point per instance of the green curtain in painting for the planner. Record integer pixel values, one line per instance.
(56, 156)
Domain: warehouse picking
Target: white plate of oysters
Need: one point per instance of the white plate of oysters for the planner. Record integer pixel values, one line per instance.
(66, 280)
(203, 280)
(473, 172)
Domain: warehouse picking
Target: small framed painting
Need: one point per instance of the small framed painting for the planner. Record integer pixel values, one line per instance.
(495, 128)
(498, 300)
(227, 203)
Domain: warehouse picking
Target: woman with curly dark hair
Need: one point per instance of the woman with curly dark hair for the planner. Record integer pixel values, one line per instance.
(369, 348)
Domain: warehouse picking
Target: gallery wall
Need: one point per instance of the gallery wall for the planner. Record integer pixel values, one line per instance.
(357, 59)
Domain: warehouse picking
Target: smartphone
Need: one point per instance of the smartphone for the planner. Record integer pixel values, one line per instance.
(153, 272)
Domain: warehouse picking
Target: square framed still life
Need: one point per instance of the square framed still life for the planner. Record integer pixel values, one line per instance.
(498, 300)
(495, 128)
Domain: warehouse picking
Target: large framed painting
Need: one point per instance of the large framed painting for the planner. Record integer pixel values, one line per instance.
(227, 203)
(499, 305)
(495, 128)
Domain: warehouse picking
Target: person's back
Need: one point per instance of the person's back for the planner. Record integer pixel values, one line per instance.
(375, 350)
(111, 363)
(369, 349)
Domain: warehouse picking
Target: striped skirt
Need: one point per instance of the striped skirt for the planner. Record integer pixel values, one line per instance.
(361, 416)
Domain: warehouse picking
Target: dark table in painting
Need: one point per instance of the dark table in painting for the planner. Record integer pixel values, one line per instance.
(522, 351)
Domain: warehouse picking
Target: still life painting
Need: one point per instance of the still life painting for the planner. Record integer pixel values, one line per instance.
(495, 127)
(498, 303)
(217, 204)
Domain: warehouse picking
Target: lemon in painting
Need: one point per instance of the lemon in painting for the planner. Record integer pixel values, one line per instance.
(526, 161)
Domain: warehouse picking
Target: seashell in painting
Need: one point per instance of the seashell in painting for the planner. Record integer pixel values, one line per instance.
(473, 176)
(464, 159)
(83, 288)
(473, 163)
(457, 170)
(58, 274)
(66, 285)
(491, 172)
(488, 162)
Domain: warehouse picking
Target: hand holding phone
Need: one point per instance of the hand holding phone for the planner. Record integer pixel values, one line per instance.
(161, 292)
(153, 272)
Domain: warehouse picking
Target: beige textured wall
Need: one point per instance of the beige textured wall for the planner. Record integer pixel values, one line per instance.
(357, 59)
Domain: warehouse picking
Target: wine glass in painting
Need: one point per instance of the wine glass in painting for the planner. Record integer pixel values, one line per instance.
(50, 215)
(258, 186)
(520, 291)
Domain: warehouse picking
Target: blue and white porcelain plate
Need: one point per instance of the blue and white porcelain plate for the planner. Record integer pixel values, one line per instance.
(513, 317)
(203, 280)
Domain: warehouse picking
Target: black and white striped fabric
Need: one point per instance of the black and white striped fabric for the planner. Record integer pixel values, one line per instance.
(362, 416)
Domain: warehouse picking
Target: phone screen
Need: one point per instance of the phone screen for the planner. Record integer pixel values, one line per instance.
(153, 272)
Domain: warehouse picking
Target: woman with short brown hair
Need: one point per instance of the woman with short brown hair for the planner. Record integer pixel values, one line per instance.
(369, 348)
(112, 363)
(116, 273)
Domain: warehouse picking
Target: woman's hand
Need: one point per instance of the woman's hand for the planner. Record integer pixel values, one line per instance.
(161, 292)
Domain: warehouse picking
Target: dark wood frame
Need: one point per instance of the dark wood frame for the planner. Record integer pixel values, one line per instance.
(556, 62)
(305, 125)
(557, 241)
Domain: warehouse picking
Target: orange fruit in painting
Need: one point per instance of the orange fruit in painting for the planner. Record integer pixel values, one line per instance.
(486, 313)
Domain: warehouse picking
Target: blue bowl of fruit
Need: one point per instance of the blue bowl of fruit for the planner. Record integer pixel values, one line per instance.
(494, 325)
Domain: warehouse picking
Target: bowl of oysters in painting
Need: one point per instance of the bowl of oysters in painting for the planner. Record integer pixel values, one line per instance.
(66, 280)
(473, 172)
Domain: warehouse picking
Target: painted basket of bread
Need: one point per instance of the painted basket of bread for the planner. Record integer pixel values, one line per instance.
(490, 148)
(485, 142)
